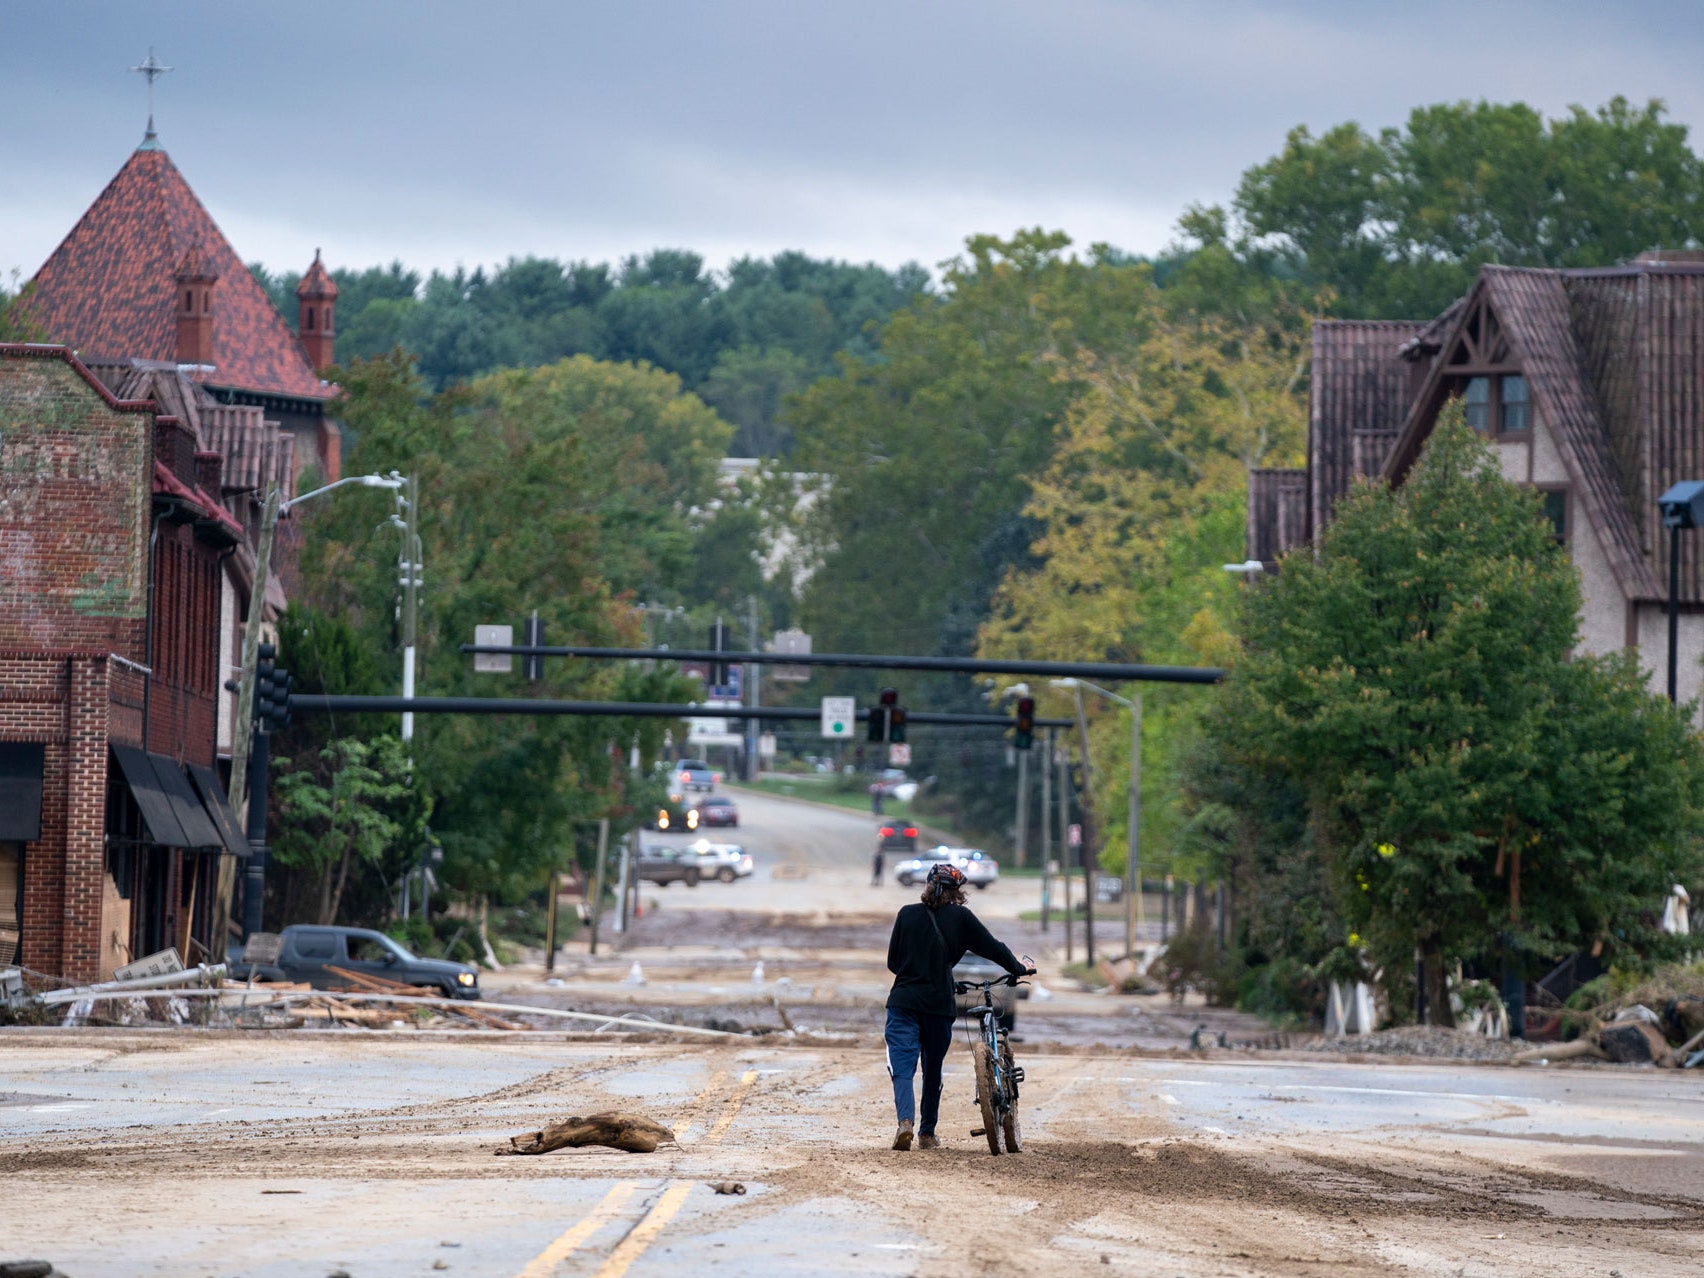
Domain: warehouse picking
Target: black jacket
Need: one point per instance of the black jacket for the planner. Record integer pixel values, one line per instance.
(922, 962)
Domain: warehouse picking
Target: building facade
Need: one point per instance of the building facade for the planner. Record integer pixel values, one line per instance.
(1587, 384)
(136, 451)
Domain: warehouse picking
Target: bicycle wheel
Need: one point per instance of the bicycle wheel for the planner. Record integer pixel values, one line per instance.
(1009, 1127)
(984, 1065)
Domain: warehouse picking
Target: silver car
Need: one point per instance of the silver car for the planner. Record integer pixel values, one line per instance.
(978, 867)
(723, 861)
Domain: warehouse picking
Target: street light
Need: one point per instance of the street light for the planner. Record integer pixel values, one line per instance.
(1682, 507)
(1133, 920)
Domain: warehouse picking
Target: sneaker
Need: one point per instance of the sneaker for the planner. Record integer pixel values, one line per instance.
(928, 1140)
(902, 1138)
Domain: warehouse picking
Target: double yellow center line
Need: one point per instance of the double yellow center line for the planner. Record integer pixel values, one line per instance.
(630, 1248)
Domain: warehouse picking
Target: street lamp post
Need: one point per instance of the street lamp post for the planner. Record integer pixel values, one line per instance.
(1682, 507)
(245, 735)
(1133, 920)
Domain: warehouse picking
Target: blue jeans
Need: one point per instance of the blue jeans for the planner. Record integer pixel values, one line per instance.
(908, 1036)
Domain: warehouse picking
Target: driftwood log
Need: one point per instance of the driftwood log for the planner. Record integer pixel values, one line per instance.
(635, 1134)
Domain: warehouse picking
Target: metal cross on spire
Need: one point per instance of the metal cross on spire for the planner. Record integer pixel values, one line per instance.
(153, 69)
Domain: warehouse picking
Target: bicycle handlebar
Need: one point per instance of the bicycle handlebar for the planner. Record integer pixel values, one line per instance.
(965, 987)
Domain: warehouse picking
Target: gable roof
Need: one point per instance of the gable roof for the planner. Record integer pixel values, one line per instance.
(1532, 306)
(1358, 394)
(109, 291)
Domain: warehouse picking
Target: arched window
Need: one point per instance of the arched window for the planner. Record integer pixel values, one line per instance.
(310, 319)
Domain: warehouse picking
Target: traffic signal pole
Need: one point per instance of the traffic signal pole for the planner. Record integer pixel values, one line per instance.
(254, 882)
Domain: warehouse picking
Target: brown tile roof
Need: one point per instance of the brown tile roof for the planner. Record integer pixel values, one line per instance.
(108, 289)
(1533, 308)
(1358, 396)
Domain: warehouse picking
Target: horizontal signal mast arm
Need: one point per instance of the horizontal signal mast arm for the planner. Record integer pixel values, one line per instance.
(1111, 671)
(323, 703)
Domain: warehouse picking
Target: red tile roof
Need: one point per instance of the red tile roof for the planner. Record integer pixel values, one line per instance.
(108, 289)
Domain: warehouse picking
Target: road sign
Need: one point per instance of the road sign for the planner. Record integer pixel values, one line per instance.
(1074, 836)
(838, 716)
(494, 637)
(899, 754)
(766, 745)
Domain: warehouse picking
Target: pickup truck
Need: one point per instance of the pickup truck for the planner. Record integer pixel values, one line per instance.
(306, 952)
(694, 774)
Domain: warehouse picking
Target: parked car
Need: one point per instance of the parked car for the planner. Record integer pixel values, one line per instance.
(665, 865)
(694, 774)
(717, 809)
(723, 861)
(979, 868)
(307, 952)
(895, 836)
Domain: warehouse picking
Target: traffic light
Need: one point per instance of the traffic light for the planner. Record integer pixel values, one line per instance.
(264, 672)
(878, 724)
(1024, 738)
(271, 690)
(896, 724)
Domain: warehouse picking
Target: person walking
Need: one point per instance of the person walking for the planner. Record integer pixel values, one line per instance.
(876, 863)
(930, 936)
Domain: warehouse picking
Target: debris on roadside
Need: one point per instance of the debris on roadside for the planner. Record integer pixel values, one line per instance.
(1431, 1041)
(631, 1132)
(29, 1269)
(726, 1186)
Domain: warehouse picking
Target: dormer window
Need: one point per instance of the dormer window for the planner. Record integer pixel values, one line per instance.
(1497, 405)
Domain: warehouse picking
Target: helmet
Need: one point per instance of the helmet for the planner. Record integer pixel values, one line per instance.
(946, 872)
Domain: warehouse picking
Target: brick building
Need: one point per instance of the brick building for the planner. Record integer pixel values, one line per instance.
(1589, 386)
(135, 452)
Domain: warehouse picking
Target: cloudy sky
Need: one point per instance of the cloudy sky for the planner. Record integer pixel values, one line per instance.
(444, 133)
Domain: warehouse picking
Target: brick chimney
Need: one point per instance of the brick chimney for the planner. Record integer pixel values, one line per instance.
(316, 325)
(195, 278)
(210, 473)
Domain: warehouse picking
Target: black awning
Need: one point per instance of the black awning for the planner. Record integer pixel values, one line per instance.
(20, 790)
(198, 829)
(157, 814)
(218, 809)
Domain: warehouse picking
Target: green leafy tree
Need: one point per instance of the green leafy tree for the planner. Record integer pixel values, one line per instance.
(351, 804)
(1467, 781)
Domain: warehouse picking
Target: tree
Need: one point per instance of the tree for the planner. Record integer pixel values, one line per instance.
(1397, 225)
(1415, 679)
(352, 803)
(1138, 509)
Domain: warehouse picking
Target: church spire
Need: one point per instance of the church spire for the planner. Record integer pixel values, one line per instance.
(153, 69)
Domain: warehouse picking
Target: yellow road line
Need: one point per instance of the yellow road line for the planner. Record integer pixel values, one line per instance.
(699, 1105)
(732, 1108)
(645, 1233)
(558, 1251)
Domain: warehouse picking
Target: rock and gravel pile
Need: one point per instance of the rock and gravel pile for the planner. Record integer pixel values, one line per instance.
(1421, 1040)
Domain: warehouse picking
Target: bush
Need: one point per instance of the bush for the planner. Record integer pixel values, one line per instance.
(1284, 991)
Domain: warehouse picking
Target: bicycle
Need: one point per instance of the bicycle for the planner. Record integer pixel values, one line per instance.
(997, 1075)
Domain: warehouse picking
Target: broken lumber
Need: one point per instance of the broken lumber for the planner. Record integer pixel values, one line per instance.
(631, 1132)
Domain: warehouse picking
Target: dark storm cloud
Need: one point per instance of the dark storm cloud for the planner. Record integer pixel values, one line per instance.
(444, 133)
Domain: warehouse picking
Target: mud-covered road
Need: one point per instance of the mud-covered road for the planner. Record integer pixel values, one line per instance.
(176, 1153)
(283, 1153)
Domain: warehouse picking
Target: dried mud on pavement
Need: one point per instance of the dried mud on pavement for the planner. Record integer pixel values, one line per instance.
(181, 1153)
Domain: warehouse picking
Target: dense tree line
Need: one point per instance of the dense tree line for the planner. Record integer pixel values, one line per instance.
(743, 339)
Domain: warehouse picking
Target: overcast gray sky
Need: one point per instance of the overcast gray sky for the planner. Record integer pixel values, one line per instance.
(444, 133)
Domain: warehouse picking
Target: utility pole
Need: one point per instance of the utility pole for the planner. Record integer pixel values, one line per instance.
(754, 697)
(1087, 848)
(1046, 828)
(243, 726)
(1065, 844)
(410, 579)
(598, 879)
(1133, 855)
(1023, 808)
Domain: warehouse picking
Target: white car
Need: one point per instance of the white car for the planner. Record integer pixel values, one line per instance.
(724, 861)
(978, 867)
